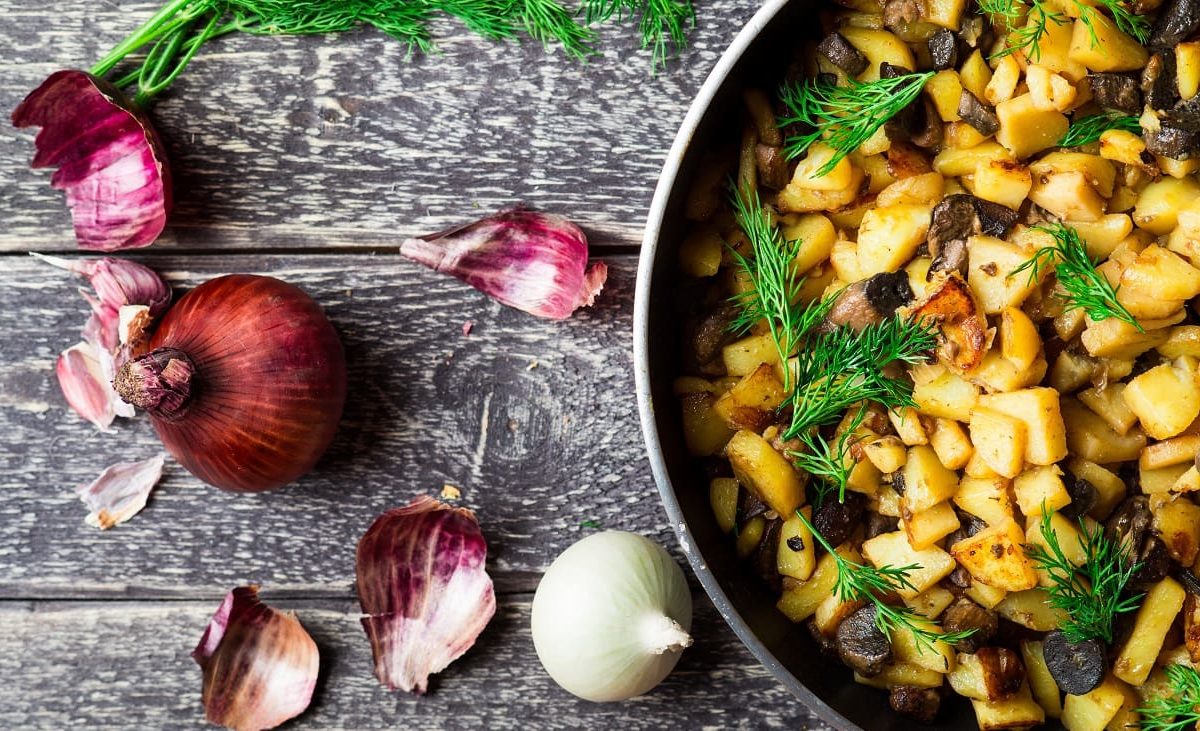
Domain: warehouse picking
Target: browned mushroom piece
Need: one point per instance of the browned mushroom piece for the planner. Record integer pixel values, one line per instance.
(965, 615)
(836, 520)
(1177, 134)
(843, 54)
(1178, 20)
(955, 219)
(765, 558)
(919, 704)
(870, 301)
(1160, 86)
(772, 166)
(1003, 671)
(897, 14)
(962, 329)
(1116, 91)
(943, 49)
(977, 114)
(860, 644)
(927, 132)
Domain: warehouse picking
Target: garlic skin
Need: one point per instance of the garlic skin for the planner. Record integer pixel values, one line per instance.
(533, 261)
(84, 375)
(611, 616)
(120, 492)
(423, 584)
(260, 666)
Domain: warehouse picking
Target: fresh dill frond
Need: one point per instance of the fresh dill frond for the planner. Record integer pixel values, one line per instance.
(1086, 130)
(839, 368)
(844, 116)
(774, 296)
(1129, 23)
(663, 24)
(828, 464)
(1040, 15)
(1179, 710)
(861, 582)
(1083, 287)
(1090, 595)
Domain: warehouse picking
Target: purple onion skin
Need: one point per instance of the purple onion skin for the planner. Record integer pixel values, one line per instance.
(260, 666)
(269, 384)
(111, 162)
(424, 587)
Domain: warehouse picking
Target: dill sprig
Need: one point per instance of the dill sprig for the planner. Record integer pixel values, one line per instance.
(1083, 286)
(1086, 130)
(775, 289)
(661, 23)
(1028, 37)
(839, 368)
(828, 464)
(844, 116)
(1180, 709)
(1090, 595)
(861, 582)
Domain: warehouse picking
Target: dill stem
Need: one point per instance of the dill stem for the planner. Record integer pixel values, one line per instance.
(160, 24)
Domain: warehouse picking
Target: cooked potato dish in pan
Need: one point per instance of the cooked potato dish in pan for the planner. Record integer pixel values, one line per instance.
(942, 361)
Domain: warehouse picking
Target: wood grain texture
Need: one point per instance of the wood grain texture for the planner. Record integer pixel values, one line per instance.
(342, 141)
(148, 679)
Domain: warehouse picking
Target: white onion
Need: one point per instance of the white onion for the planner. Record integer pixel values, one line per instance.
(611, 616)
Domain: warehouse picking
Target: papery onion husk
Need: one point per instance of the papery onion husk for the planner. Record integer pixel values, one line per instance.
(260, 665)
(110, 160)
(533, 261)
(245, 381)
(120, 492)
(425, 590)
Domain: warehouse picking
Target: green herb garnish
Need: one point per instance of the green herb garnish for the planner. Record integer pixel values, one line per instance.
(829, 464)
(1090, 595)
(1028, 37)
(1179, 711)
(844, 116)
(1086, 130)
(1083, 286)
(861, 582)
(663, 24)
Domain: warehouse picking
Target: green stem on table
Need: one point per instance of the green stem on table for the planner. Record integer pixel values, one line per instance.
(149, 31)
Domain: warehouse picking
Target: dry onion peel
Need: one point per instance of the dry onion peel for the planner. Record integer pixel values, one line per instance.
(423, 585)
(110, 160)
(260, 665)
(533, 261)
(120, 492)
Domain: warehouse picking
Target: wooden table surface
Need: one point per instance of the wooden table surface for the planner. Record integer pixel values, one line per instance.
(311, 159)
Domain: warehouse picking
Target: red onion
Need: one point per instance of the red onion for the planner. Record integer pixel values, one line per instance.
(245, 382)
(260, 666)
(536, 262)
(110, 160)
(425, 590)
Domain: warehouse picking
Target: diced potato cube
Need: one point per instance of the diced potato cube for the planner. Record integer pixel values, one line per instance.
(999, 440)
(1067, 195)
(1098, 172)
(1181, 340)
(723, 497)
(796, 199)
(1121, 145)
(1038, 487)
(1050, 91)
(1189, 481)
(1030, 609)
(946, 13)
(1038, 408)
(893, 548)
(1113, 338)
(1110, 488)
(995, 556)
(907, 423)
(704, 430)
(962, 136)
(949, 397)
(985, 595)
(1176, 450)
(1002, 181)
(930, 525)
(878, 46)
(1055, 47)
(1094, 440)
(1187, 65)
(1104, 235)
(990, 261)
(700, 252)
(923, 190)
(1072, 371)
(816, 234)
(832, 611)
(986, 498)
(940, 658)
(1020, 343)
(951, 444)
(1110, 405)
(953, 163)
(752, 402)
(1016, 711)
(1112, 50)
(765, 472)
(927, 482)
(886, 453)
(1157, 272)
(1177, 522)
(913, 676)
(1003, 84)
(975, 74)
(1094, 711)
(945, 89)
(750, 535)
(1041, 682)
(1159, 204)
(932, 602)
(800, 601)
(1165, 398)
(1025, 129)
(744, 356)
(888, 237)
(1154, 620)
(985, 676)
(797, 553)
(1161, 480)
(808, 171)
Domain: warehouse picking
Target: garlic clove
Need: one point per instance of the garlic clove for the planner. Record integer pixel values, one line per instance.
(82, 378)
(533, 261)
(423, 585)
(110, 160)
(120, 492)
(260, 666)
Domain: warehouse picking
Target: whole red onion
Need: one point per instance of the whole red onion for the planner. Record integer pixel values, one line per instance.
(245, 382)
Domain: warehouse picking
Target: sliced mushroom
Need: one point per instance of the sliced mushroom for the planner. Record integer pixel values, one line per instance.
(766, 556)
(1160, 85)
(891, 70)
(826, 644)
(1178, 132)
(926, 131)
(836, 521)
(953, 221)
(996, 219)
(860, 644)
(772, 166)
(1083, 496)
(919, 704)
(871, 300)
(842, 53)
(711, 334)
(943, 49)
(977, 114)
(897, 14)
(1177, 21)
(1003, 671)
(965, 615)
(749, 507)
(1130, 524)
(975, 32)
(962, 337)
(1077, 668)
(877, 525)
(1116, 91)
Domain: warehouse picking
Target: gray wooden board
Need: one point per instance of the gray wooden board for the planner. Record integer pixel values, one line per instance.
(342, 141)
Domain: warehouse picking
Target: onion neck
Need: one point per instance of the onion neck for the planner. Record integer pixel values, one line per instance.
(161, 382)
(660, 634)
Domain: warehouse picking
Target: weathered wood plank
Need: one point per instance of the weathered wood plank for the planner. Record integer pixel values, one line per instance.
(341, 141)
(535, 421)
(126, 665)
